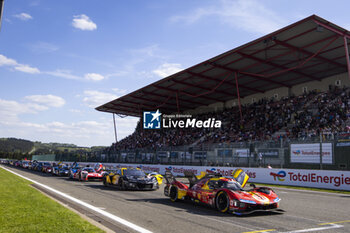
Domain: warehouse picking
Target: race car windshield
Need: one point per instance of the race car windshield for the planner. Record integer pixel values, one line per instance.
(89, 169)
(134, 173)
(232, 185)
(47, 164)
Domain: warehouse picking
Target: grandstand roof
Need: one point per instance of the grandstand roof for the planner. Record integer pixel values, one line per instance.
(310, 49)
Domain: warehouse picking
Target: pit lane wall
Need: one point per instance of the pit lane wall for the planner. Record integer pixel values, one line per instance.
(337, 180)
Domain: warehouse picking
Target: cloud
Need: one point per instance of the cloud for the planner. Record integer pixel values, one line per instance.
(35, 3)
(248, 15)
(149, 51)
(143, 55)
(94, 99)
(138, 62)
(62, 74)
(83, 133)
(75, 111)
(23, 16)
(4, 61)
(9, 109)
(43, 47)
(119, 73)
(83, 22)
(68, 75)
(194, 16)
(119, 91)
(93, 77)
(27, 69)
(46, 100)
(167, 69)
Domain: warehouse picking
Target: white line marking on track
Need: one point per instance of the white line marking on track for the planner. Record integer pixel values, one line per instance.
(96, 209)
(333, 226)
(230, 223)
(304, 218)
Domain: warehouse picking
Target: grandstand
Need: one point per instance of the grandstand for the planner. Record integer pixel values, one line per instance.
(290, 86)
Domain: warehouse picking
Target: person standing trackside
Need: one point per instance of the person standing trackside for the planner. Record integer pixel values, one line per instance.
(260, 156)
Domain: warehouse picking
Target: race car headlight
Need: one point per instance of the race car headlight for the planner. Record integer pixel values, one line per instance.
(277, 199)
(247, 201)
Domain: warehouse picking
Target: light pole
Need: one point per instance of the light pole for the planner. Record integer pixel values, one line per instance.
(1, 10)
(321, 152)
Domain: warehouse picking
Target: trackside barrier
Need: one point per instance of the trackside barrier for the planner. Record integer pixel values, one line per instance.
(328, 179)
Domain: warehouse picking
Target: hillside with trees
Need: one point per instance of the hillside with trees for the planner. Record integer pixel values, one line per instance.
(8, 145)
(14, 148)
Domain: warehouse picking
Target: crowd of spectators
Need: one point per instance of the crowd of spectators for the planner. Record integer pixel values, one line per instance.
(294, 117)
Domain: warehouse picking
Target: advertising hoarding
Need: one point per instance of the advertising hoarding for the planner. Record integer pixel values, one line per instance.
(337, 180)
(310, 153)
(242, 153)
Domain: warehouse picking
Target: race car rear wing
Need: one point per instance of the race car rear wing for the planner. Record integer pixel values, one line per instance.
(191, 177)
(169, 177)
(240, 176)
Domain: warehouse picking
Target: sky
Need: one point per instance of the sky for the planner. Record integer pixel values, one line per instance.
(61, 59)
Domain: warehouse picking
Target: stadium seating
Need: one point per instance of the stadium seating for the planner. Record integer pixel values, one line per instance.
(295, 117)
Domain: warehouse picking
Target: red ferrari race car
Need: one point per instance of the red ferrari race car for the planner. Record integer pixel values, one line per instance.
(223, 193)
(47, 168)
(88, 173)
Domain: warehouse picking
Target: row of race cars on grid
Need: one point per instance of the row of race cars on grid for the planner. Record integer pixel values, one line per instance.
(124, 178)
(226, 194)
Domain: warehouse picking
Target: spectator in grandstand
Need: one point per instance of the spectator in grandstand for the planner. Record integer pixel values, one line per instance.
(260, 158)
(295, 117)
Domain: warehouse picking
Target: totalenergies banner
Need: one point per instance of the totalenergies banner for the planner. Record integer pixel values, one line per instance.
(339, 180)
(307, 178)
(310, 153)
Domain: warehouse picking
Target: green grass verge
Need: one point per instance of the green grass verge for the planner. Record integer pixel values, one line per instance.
(302, 188)
(25, 209)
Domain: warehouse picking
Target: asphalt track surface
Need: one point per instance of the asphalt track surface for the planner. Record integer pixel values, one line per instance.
(301, 211)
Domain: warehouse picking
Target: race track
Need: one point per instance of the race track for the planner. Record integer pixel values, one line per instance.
(301, 211)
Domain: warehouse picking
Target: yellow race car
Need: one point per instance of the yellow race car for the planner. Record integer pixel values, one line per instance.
(131, 178)
(158, 176)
